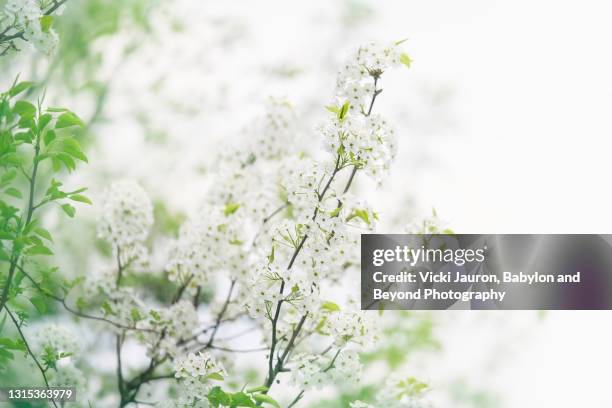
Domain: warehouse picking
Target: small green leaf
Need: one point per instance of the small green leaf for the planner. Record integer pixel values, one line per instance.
(49, 137)
(80, 198)
(44, 233)
(44, 120)
(231, 208)
(261, 388)
(68, 119)
(13, 192)
(73, 148)
(68, 209)
(343, 111)
(333, 109)
(45, 23)
(216, 396)
(39, 304)
(215, 376)
(24, 109)
(19, 88)
(240, 399)
(108, 310)
(56, 109)
(266, 399)
(405, 59)
(39, 250)
(135, 313)
(330, 307)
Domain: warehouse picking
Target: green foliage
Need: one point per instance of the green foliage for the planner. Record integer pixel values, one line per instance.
(35, 145)
(252, 397)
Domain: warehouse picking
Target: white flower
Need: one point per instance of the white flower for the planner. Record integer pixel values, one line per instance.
(197, 365)
(369, 141)
(177, 322)
(303, 180)
(308, 372)
(58, 339)
(68, 376)
(352, 326)
(211, 242)
(26, 16)
(127, 216)
(347, 368)
(23, 12)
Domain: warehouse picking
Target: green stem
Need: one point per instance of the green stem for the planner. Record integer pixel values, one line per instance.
(29, 350)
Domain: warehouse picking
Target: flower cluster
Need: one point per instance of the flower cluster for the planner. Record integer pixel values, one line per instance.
(354, 84)
(209, 243)
(29, 18)
(316, 371)
(58, 340)
(194, 372)
(281, 227)
(127, 216)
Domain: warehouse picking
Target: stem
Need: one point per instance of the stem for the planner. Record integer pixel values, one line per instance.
(274, 370)
(218, 322)
(118, 344)
(331, 364)
(29, 212)
(29, 350)
(296, 399)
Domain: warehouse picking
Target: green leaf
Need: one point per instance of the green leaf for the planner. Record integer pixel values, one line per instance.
(343, 111)
(19, 88)
(13, 192)
(231, 208)
(45, 23)
(67, 160)
(80, 198)
(8, 176)
(39, 304)
(216, 396)
(266, 399)
(68, 209)
(12, 345)
(49, 137)
(24, 109)
(215, 376)
(73, 148)
(135, 313)
(68, 119)
(56, 109)
(405, 59)
(330, 307)
(108, 310)
(261, 388)
(44, 233)
(156, 316)
(39, 250)
(333, 109)
(240, 399)
(44, 120)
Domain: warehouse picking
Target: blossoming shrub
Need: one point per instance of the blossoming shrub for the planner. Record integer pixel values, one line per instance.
(279, 231)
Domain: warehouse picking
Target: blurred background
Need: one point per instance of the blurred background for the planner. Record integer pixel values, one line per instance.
(504, 124)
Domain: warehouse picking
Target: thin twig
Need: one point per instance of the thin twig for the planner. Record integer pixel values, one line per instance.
(29, 350)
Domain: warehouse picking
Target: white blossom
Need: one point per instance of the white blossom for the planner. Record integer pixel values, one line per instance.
(193, 365)
(58, 339)
(127, 216)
